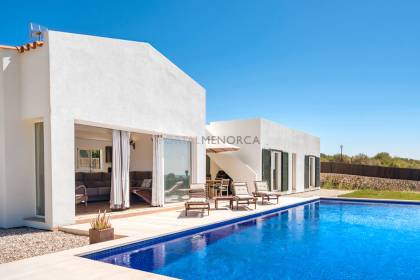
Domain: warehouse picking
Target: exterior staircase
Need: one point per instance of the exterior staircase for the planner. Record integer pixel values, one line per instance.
(235, 168)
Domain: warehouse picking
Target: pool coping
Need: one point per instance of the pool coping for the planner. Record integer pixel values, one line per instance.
(190, 231)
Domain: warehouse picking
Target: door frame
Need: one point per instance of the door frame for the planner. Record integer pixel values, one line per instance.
(294, 158)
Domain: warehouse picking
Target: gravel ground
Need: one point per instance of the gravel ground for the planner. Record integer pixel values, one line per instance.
(20, 243)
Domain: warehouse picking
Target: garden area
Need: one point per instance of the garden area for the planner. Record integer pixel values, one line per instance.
(371, 187)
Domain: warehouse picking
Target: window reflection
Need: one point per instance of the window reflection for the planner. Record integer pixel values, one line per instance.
(177, 170)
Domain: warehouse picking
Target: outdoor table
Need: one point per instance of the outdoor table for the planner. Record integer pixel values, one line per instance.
(223, 198)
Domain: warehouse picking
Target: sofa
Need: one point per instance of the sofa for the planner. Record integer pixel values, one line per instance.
(98, 184)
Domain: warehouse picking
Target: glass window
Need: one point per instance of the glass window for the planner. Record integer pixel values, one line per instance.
(39, 169)
(90, 159)
(177, 169)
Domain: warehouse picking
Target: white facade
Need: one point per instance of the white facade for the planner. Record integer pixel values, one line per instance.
(77, 79)
(74, 81)
(246, 164)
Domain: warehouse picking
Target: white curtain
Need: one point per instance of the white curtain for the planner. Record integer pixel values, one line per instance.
(158, 192)
(125, 168)
(120, 181)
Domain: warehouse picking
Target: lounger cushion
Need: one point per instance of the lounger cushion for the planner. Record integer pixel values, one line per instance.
(197, 200)
(241, 190)
(269, 193)
(197, 188)
(261, 187)
(244, 196)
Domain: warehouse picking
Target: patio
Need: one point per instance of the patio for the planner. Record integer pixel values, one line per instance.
(144, 224)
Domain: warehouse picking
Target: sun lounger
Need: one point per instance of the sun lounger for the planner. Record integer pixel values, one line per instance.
(261, 190)
(198, 199)
(242, 196)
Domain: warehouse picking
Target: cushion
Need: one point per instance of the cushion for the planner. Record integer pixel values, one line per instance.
(79, 196)
(197, 200)
(261, 186)
(240, 190)
(97, 184)
(244, 196)
(147, 183)
(92, 191)
(266, 193)
(104, 191)
(97, 176)
(197, 188)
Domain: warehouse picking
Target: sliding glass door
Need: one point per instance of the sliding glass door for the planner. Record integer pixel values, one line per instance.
(39, 169)
(177, 169)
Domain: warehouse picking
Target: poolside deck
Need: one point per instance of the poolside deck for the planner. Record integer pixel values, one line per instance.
(67, 265)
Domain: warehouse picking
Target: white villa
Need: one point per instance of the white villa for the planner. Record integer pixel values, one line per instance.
(113, 116)
(287, 159)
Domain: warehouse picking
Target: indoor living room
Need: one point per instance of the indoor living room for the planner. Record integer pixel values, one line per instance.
(94, 166)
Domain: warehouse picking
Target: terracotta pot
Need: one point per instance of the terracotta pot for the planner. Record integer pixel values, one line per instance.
(102, 235)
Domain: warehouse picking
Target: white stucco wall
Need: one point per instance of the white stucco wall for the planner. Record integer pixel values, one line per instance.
(279, 137)
(141, 158)
(24, 77)
(4, 60)
(248, 153)
(122, 84)
(114, 84)
(271, 136)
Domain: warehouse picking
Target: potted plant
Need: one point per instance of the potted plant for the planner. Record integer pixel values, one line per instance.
(101, 229)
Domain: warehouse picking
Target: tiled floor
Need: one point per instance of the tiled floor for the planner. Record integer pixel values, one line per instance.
(147, 224)
(135, 210)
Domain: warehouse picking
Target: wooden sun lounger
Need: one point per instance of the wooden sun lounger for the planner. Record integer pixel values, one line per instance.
(143, 193)
(261, 190)
(242, 196)
(198, 199)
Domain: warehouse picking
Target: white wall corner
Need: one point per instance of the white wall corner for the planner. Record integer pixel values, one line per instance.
(62, 170)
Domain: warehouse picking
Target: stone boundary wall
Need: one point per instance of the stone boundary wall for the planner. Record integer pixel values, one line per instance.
(355, 182)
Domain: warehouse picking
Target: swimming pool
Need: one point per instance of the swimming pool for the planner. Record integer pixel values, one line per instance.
(320, 240)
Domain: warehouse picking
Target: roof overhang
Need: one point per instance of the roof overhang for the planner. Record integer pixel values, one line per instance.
(220, 148)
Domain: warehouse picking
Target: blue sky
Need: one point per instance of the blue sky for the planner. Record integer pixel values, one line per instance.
(347, 71)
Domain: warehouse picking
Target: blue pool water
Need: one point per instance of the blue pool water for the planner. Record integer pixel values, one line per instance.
(320, 240)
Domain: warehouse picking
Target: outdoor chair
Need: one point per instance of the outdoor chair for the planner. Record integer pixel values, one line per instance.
(242, 196)
(198, 199)
(81, 195)
(262, 190)
(223, 187)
